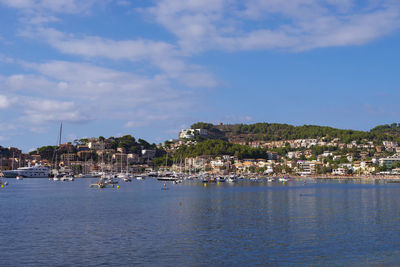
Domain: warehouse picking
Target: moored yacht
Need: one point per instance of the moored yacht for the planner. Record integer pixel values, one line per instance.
(37, 171)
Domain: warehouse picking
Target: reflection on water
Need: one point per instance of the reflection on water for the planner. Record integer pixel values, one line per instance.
(318, 222)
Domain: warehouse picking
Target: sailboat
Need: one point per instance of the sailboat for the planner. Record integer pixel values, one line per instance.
(124, 176)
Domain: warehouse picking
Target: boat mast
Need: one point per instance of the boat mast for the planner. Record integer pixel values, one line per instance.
(59, 139)
(180, 165)
(55, 150)
(12, 162)
(127, 171)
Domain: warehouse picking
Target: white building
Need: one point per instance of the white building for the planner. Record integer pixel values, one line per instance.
(191, 133)
(388, 162)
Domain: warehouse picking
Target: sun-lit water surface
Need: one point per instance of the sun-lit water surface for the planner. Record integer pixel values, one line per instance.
(315, 223)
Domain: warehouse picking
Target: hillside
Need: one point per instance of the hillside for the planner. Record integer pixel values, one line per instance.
(277, 131)
(388, 130)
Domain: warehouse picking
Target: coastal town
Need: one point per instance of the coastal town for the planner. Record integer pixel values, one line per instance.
(320, 156)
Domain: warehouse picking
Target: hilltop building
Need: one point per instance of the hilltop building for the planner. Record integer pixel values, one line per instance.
(191, 133)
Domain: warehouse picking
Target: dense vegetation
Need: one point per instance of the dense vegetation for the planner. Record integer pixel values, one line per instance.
(387, 129)
(276, 131)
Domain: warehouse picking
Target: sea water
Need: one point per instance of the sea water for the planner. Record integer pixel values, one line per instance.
(320, 222)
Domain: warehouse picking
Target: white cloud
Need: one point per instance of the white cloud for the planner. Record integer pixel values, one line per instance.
(123, 3)
(93, 46)
(59, 6)
(164, 56)
(4, 103)
(80, 92)
(17, 82)
(5, 59)
(292, 25)
(39, 12)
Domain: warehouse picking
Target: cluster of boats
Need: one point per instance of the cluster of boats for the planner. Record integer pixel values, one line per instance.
(210, 178)
(235, 179)
(107, 178)
(63, 177)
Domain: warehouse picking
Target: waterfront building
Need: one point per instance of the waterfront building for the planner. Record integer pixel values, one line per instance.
(388, 162)
(197, 162)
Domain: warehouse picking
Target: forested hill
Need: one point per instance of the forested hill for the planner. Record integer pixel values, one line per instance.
(277, 131)
(387, 129)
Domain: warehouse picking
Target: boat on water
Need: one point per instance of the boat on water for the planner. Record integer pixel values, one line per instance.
(221, 179)
(167, 178)
(103, 183)
(37, 171)
(152, 174)
(87, 175)
(232, 179)
(127, 179)
(179, 181)
(67, 178)
(109, 179)
(124, 177)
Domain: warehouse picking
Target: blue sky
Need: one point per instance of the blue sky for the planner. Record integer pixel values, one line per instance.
(150, 68)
